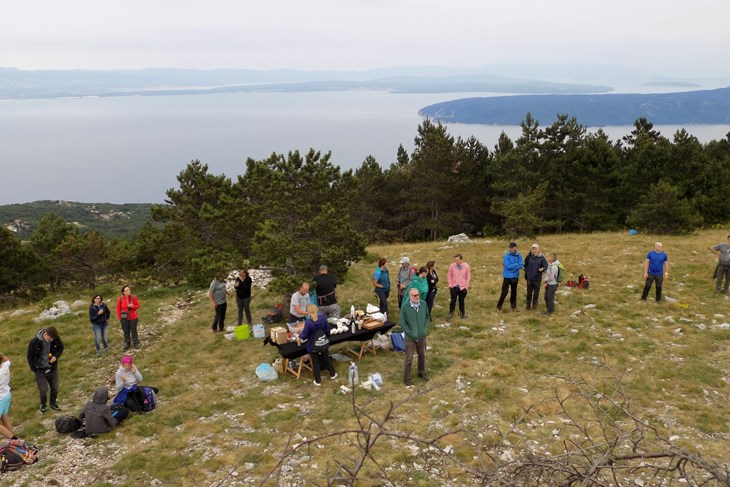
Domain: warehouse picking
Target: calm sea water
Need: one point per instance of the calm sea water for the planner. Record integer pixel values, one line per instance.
(130, 149)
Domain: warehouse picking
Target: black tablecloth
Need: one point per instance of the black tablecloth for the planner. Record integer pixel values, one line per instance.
(291, 350)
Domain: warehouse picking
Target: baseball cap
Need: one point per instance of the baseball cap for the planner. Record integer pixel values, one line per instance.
(405, 260)
(512, 245)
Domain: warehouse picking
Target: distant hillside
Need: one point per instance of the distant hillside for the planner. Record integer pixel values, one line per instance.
(691, 107)
(120, 221)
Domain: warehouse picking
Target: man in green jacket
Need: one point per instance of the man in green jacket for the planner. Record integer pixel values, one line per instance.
(414, 321)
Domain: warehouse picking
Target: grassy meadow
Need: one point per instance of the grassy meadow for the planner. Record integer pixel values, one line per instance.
(216, 424)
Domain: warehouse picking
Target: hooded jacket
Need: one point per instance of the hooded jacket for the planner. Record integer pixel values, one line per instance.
(97, 414)
(512, 264)
(35, 352)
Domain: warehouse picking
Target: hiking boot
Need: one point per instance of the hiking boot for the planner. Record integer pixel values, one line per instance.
(318, 384)
(528, 307)
(55, 407)
(534, 306)
(450, 316)
(463, 316)
(423, 377)
(499, 309)
(44, 408)
(514, 309)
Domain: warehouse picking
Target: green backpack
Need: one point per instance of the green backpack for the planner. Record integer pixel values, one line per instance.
(561, 273)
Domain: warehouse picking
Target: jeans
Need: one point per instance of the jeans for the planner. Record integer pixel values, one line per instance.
(550, 297)
(220, 316)
(129, 327)
(461, 295)
(101, 333)
(509, 284)
(46, 380)
(430, 298)
(383, 296)
(533, 291)
(723, 271)
(418, 346)
(649, 280)
(330, 310)
(244, 304)
(321, 361)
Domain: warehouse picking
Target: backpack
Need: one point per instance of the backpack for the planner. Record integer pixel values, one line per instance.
(321, 342)
(583, 282)
(16, 453)
(561, 273)
(67, 424)
(396, 339)
(274, 315)
(149, 399)
(119, 412)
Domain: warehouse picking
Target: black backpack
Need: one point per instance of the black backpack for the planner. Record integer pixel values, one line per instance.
(119, 412)
(320, 341)
(67, 424)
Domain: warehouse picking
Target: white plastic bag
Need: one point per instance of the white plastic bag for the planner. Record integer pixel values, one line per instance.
(259, 331)
(266, 373)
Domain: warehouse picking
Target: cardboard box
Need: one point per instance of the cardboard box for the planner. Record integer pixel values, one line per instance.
(279, 335)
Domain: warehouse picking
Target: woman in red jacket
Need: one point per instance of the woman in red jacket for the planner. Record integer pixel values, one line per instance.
(127, 306)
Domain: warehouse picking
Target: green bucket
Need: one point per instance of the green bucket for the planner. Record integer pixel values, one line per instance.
(242, 332)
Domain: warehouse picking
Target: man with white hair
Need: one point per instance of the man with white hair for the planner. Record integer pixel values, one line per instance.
(535, 265)
(656, 269)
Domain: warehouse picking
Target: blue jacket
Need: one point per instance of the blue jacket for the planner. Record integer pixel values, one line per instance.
(512, 264)
(310, 328)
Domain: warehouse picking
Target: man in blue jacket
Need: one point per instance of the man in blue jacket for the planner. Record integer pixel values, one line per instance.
(512, 263)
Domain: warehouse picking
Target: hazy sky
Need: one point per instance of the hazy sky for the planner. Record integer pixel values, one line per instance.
(670, 36)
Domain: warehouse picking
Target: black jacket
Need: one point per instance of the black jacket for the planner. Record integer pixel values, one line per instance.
(532, 264)
(35, 348)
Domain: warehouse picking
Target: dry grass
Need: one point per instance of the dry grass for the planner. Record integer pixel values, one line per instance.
(215, 417)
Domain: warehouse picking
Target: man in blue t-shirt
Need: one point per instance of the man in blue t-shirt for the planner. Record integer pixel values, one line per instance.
(656, 268)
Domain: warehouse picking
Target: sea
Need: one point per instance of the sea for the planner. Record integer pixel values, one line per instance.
(130, 149)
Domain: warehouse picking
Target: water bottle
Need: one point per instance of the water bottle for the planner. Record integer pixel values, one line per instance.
(353, 375)
(352, 326)
(352, 311)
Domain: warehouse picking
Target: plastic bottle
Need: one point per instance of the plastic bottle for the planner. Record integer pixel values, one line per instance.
(353, 375)
(352, 311)
(352, 326)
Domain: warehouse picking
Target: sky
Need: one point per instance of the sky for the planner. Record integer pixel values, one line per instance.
(670, 36)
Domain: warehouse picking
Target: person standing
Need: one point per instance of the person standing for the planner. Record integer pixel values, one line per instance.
(243, 296)
(299, 303)
(511, 264)
(381, 281)
(127, 306)
(656, 269)
(551, 282)
(406, 273)
(217, 294)
(432, 278)
(722, 250)
(535, 265)
(419, 282)
(316, 321)
(44, 350)
(414, 321)
(99, 315)
(6, 428)
(326, 297)
(458, 278)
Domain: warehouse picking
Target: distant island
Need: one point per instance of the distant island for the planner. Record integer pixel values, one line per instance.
(689, 107)
(25, 84)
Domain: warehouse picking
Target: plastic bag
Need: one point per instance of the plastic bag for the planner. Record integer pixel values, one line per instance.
(259, 331)
(397, 341)
(266, 373)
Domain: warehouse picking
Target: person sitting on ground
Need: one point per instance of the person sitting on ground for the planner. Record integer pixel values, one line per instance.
(128, 377)
(97, 414)
(320, 360)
